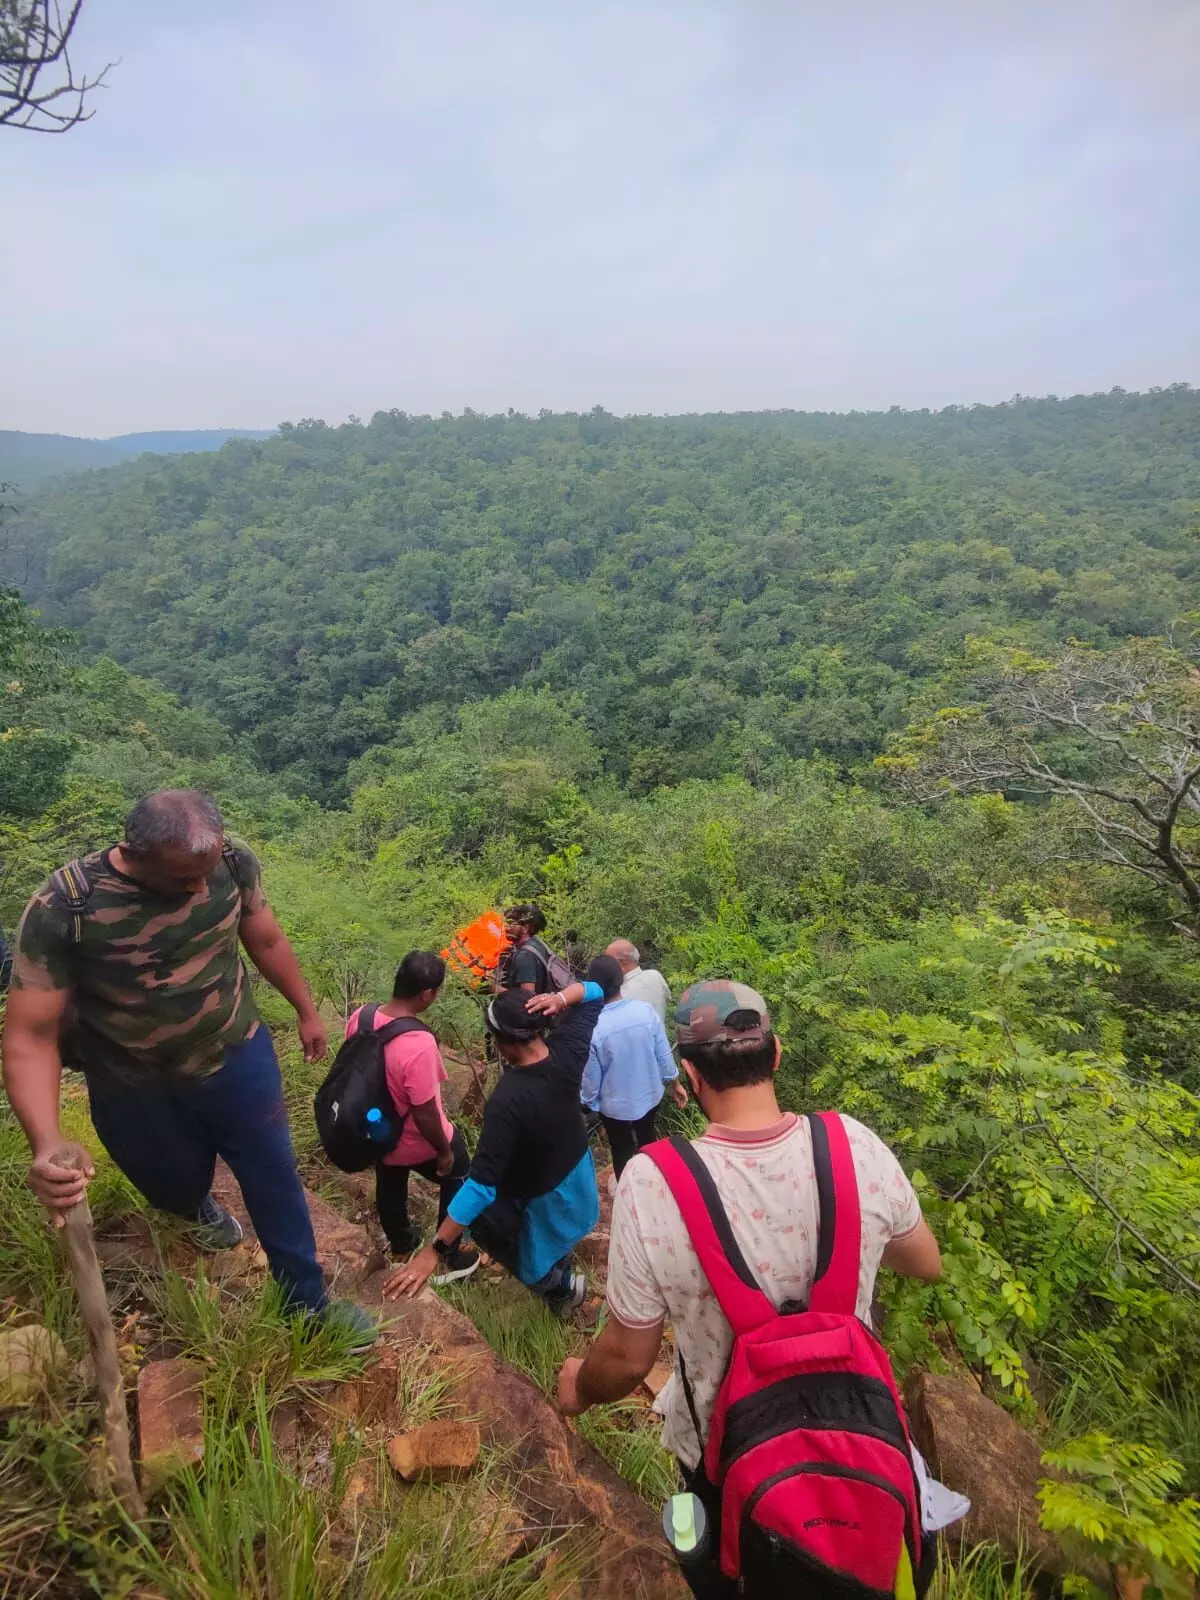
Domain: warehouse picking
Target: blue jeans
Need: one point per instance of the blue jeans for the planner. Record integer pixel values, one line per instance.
(166, 1142)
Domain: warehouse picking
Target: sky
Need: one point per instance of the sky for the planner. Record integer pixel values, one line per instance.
(291, 208)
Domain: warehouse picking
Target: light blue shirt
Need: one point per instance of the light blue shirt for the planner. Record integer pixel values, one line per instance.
(629, 1061)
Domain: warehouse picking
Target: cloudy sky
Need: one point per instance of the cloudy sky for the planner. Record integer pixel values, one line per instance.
(289, 208)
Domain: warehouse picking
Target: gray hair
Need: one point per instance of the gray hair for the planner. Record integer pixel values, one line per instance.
(174, 819)
(624, 950)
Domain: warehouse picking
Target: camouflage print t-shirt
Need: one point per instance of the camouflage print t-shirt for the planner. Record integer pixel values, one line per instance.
(158, 988)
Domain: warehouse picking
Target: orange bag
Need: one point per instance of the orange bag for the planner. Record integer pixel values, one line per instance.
(475, 950)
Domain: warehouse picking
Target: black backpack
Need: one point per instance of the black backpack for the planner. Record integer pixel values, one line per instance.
(355, 1085)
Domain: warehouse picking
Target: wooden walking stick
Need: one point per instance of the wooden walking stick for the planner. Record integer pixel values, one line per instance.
(80, 1246)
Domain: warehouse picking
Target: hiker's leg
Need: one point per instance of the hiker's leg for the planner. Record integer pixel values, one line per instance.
(620, 1142)
(495, 1231)
(557, 1284)
(645, 1129)
(242, 1107)
(449, 1186)
(156, 1143)
(391, 1200)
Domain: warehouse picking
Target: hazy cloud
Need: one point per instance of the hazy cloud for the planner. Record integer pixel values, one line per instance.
(286, 208)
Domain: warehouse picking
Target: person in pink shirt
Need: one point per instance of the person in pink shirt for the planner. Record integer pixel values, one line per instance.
(429, 1143)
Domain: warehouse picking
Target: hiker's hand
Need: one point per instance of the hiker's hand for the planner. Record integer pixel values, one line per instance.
(312, 1036)
(549, 1005)
(61, 1187)
(411, 1278)
(679, 1092)
(569, 1402)
(445, 1164)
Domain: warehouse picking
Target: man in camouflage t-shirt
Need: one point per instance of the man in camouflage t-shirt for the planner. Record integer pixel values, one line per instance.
(127, 966)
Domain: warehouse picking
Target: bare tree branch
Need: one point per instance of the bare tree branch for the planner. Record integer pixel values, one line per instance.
(35, 38)
(1117, 735)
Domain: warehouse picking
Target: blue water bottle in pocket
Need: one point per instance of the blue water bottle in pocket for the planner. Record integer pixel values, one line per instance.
(379, 1128)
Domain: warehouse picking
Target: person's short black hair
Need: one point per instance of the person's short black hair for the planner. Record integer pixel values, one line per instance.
(606, 971)
(530, 916)
(420, 970)
(731, 1063)
(509, 1019)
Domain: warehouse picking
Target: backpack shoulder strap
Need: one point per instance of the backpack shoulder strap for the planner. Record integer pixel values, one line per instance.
(745, 1305)
(400, 1025)
(230, 857)
(839, 1246)
(74, 888)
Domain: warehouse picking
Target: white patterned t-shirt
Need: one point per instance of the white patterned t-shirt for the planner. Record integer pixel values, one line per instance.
(768, 1187)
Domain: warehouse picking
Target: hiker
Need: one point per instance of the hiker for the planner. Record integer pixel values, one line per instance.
(126, 967)
(761, 1170)
(528, 963)
(638, 982)
(628, 1066)
(530, 1195)
(429, 1143)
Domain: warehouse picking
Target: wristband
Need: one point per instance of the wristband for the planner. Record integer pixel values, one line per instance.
(440, 1248)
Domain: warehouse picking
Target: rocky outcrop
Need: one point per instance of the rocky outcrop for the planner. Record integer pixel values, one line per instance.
(553, 1474)
(974, 1447)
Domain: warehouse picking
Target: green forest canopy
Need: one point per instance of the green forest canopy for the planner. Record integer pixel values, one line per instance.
(721, 592)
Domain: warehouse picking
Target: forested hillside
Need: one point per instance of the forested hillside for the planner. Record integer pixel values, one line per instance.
(27, 459)
(721, 593)
(791, 698)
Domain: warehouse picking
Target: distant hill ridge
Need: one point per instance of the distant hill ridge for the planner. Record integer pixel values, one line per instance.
(27, 459)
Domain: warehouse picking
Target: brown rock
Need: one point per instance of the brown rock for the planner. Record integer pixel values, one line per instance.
(343, 1248)
(30, 1357)
(170, 1420)
(377, 1387)
(435, 1452)
(656, 1380)
(977, 1449)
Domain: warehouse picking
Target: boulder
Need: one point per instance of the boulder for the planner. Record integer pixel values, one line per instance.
(435, 1452)
(170, 1409)
(974, 1447)
(30, 1358)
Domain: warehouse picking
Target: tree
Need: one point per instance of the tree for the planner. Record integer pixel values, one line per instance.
(38, 87)
(1117, 734)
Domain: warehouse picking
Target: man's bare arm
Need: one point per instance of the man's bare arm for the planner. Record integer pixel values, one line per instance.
(614, 1366)
(916, 1255)
(268, 947)
(32, 1077)
(428, 1120)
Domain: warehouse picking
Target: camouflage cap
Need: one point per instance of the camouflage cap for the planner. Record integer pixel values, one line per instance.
(700, 1016)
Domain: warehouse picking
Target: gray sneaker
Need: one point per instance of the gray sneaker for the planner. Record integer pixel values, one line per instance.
(361, 1328)
(214, 1228)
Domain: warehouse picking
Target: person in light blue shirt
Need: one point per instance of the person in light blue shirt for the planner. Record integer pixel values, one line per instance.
(628, 1066)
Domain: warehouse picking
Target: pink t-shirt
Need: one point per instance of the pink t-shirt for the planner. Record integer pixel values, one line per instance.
(415, 1074)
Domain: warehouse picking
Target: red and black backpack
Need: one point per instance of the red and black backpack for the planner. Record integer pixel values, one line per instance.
(808, 1449)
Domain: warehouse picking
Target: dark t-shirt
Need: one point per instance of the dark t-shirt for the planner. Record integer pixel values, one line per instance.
(529, 965)
(533, 1131)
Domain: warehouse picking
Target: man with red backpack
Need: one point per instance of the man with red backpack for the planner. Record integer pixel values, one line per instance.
(760, 1241)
